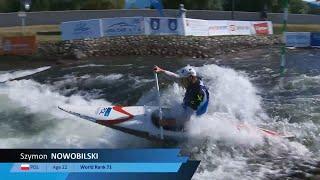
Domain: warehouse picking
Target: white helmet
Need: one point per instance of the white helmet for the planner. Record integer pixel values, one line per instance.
(187, 71)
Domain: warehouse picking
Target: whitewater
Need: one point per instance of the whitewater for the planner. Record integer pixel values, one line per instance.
(249, 92)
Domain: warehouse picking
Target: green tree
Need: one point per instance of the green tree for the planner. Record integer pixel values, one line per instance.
(40, 5)
(194, 4)
(295, 6)
(298, 7)
(9, 5)
(204, 4)
(98, 4)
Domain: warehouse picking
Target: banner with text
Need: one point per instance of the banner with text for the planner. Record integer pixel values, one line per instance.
(19, 45)
(123, 26)
(1, 48)
(222, 28)
(261, 27)
(195, 27)
(81, 29)
(315, 39)
(163, 26)
(239, 27)
(218, 28)
(297, 39)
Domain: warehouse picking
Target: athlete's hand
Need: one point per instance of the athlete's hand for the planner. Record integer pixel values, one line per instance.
(157, 69)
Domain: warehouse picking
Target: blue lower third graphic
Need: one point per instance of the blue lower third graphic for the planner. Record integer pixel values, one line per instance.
(94, 167)
(112, 164)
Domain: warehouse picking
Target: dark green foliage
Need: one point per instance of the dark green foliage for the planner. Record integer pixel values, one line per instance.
(296, 6)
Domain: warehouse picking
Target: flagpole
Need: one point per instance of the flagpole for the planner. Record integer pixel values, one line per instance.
(284, 29)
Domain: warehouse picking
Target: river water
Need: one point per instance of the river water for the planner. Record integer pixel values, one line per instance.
(245, 87)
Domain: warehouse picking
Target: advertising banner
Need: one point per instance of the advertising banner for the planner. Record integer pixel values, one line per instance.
(81, 29)
(137, 4)
(1, 47)
(297, 39)
(163, 26)
(195, 27)
(19, 45)
(123, 26)
(315, 39)
(218, 28)
(222, 27)
(262, 27)
(239, 27)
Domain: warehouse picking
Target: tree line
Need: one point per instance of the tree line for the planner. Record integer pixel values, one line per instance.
(296, 6)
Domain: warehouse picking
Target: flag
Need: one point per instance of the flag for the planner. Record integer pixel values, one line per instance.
(137, 4)
(158, 5)
(24, 167)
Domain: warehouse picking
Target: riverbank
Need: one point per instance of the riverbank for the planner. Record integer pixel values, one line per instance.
(166, 46)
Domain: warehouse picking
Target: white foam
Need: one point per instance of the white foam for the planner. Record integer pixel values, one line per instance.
(68, 131)
(110, 77)
(90, 65)
(21, 73)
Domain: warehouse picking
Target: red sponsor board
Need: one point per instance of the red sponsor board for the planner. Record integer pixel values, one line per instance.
(261, 28)
(19, 45)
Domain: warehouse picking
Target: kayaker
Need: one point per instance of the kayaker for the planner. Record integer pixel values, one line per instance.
(196, 98)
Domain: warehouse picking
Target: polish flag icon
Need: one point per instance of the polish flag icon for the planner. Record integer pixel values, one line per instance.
(25, 167)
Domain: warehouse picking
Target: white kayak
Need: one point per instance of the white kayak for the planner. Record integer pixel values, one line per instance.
(143, 121)
(135, 120)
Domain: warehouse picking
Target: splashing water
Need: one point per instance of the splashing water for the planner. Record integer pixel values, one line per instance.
(30, 117)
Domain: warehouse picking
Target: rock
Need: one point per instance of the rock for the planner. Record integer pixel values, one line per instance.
(79, 54)
(192, 46)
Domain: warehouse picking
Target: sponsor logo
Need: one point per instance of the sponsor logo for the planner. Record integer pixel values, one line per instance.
(232, 27)
(155, 24)
(7, 46)
(122, 27)
(218, 28)
(105, 111)
(261, 28)
(172, 24)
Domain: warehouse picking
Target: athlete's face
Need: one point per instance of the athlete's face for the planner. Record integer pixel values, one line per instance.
(187, 81)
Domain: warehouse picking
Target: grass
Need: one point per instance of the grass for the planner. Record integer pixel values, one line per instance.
(297, 28)
(32, 30)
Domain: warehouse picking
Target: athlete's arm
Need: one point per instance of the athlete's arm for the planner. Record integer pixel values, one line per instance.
(168, 73)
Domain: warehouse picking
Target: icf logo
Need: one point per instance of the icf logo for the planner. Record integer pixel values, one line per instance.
(105, 111)
(172, 24)
(155, 24)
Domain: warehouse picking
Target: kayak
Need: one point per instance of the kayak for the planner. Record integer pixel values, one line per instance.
(143, 121)
(134, 120)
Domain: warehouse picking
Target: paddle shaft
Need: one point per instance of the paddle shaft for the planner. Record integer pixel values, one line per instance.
(159, 103)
